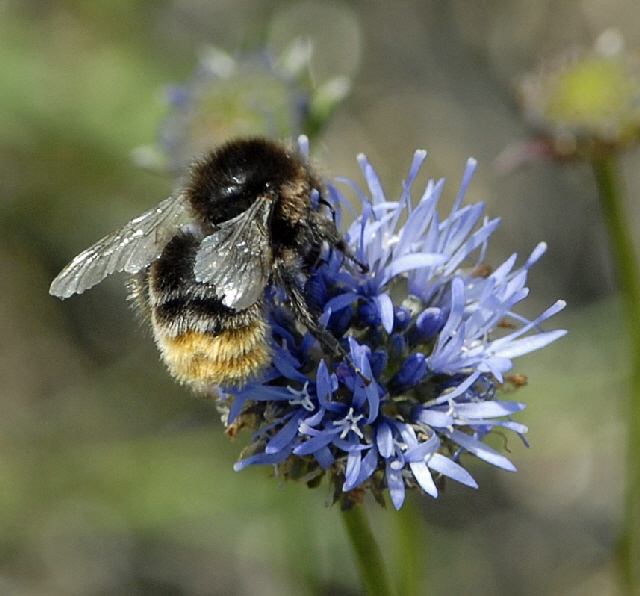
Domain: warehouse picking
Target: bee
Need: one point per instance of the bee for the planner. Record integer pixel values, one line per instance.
(243, 219)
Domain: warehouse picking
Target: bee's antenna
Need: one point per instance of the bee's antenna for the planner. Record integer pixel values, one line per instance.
(329, 206)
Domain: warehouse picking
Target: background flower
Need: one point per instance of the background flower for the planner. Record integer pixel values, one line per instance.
(254, 94)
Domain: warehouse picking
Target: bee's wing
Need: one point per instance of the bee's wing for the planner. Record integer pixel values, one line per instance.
(236, 258)
(130, 249)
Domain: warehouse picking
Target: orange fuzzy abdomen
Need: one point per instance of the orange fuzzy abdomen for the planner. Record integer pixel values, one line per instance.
(202, 360)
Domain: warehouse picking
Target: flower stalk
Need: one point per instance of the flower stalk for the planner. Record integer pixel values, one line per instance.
(412, 547)
(371, 569)
(607, 180)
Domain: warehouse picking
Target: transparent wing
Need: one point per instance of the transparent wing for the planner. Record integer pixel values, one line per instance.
(236, 258)
(130, 249)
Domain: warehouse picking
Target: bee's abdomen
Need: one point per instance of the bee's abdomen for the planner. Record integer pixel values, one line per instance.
(202, 360)
(202, 341)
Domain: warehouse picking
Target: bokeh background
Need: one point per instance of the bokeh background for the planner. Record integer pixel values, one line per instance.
(113, 479)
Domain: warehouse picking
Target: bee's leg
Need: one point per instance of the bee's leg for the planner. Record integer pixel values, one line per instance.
(326, 230)
(287, 279)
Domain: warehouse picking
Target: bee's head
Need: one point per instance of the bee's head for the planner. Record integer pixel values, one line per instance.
(226, 182)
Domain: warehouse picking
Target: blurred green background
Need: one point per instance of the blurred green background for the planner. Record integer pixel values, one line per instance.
(113, 479)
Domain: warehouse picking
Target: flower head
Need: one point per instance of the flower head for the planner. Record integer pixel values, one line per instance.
(585, 102)
(431, 333)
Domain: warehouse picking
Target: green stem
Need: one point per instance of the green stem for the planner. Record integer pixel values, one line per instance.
(628, 270)
(368, 557)
(412, 550)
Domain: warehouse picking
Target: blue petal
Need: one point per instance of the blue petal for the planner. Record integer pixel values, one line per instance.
(423, 477)
(528, 344)
(323, 383)
(270, 393)
(538, 251)
(287, 365)
(453, 241)
(469, 169)
(236, 408)
(350, 443)
(378, 360)
(475, 241)
(369, 312)
(552, 310)
(285, 435)
(314, 443)
(401, 318)
(429, 322)
(417, 222)
(451, 394)
(324, 457)
(386, 311)
(397, 346)
(418, 158)
(384, 439)
(352, 470)
(368, 466)
(496, 366)
(449, 468)
(395, 483)
(503, 270)
(314, 420)
(373, 182)
(481, 450)
(433, 418)
(488, 409)
(261, 459)
(457, 310)
(422, 449)
(412, 261)
(412, 371)
(341, 301)
(455, 210)
(521, 429)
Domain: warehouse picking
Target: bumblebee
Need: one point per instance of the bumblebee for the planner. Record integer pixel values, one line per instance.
(243, 219)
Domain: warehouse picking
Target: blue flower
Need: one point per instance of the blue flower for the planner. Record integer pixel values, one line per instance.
(431, 333)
